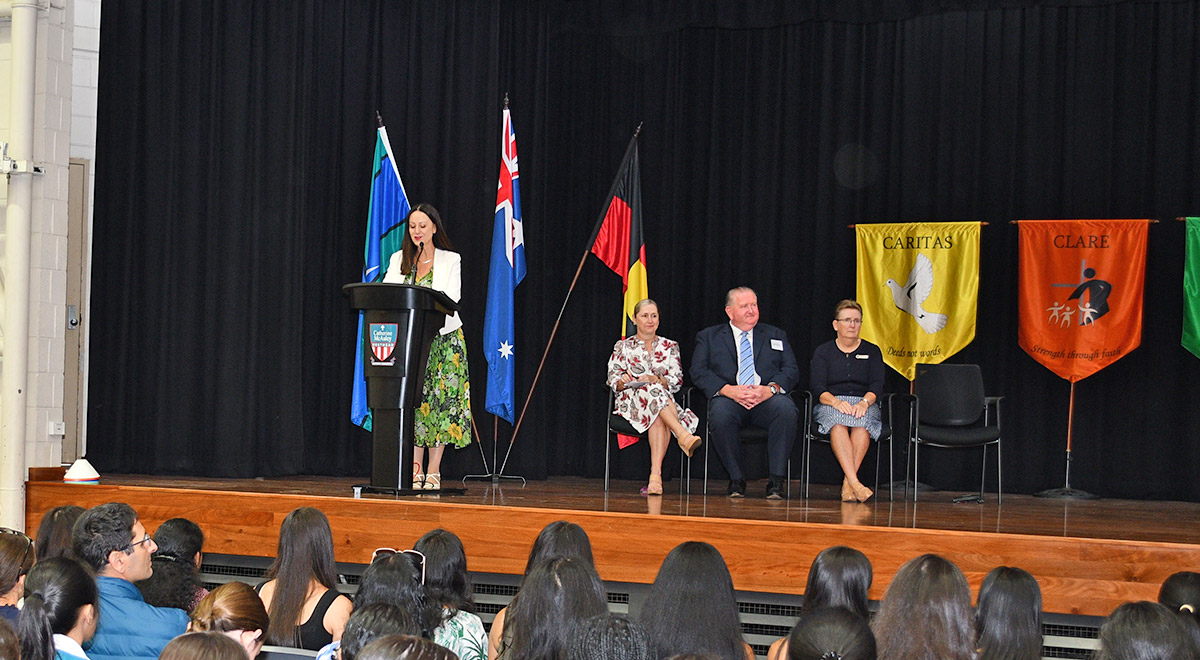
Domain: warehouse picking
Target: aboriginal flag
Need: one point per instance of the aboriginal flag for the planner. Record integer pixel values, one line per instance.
(617, 239)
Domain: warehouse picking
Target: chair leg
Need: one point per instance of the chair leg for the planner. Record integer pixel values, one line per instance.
(983, 474)
(707, 444)
(999, 475)
(916, 446)
(607, 450)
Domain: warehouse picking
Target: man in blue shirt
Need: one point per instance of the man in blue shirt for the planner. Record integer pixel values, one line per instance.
(112, 540)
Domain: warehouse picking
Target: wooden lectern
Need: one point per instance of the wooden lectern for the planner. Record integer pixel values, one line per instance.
(400, 322)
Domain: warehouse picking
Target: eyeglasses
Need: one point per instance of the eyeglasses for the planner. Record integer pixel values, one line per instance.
(850, 321)
(129, 548)
(388, 552)
(28, 547)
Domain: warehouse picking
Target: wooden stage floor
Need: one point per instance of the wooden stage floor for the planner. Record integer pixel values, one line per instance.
(1089, 556)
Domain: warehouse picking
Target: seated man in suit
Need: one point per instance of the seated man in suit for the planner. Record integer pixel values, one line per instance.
(742, 366)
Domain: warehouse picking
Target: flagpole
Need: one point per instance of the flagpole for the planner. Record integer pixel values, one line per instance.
(588, 250)
(1066, 492)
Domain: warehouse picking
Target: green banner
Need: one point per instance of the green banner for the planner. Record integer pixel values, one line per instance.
(1191, 287)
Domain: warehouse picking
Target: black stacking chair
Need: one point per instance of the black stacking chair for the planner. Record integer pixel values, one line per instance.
(885, 434)
(618, 425)
(952, 411)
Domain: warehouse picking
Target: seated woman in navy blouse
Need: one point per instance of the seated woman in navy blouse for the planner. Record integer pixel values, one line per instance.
(847, 375)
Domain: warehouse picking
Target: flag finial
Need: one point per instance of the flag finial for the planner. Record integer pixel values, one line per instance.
(378, 120)
(637, 131)
(505, 100)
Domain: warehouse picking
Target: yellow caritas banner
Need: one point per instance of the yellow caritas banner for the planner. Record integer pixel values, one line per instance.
(918, 284)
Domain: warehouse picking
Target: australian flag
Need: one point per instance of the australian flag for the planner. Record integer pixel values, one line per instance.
(506, 272)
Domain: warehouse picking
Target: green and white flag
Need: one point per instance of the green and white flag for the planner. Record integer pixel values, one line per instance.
(1191, 287)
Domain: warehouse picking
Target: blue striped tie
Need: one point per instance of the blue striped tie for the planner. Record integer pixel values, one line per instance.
(746, 357)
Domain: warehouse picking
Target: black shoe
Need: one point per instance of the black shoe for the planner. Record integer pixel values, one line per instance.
(774, 489)
(737, 488)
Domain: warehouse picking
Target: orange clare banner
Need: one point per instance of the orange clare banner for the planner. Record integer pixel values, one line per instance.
(1081, 285)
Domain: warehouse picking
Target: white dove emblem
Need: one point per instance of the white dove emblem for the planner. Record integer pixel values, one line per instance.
(914, 292)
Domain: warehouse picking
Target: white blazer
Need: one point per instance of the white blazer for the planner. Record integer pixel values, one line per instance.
(447, 278)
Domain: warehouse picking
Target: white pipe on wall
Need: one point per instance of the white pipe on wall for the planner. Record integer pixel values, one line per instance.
(14, 380)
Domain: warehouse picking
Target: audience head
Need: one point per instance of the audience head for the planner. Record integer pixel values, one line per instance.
(304, 554)
(741, 306)
(235, 610)
(553, 600)
(60, 597)
(404, 647)
(1008, 616)
(202, 646)
(926, 612)
(392, 579)
(691, 607)
(17, 554)
(1180, 593)
(372, 622)
(839, 577)
(829, 632)
(609, 637)
(112, 540)
(1144, 631)
(446, 578)
(176, 564)
(560, 539)
(54, 532)
(10, 646)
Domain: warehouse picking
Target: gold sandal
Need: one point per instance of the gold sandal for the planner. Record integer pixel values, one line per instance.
(433, 481)
(418, 477)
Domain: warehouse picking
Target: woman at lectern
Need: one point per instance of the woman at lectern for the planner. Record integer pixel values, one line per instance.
(846, 376)
(643, 372)
(444, 416)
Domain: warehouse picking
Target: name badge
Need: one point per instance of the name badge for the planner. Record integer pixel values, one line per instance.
(777, 344)
(860, 356)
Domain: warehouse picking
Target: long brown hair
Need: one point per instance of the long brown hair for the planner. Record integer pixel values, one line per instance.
(305, 553)
(409, 249)
(16, 557)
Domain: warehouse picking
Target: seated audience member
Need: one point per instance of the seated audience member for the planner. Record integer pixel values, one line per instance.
(553, 600)
(831, 632)
(404, 647)
(112, 541)
(54, 532)
(203, 646)
(838, 577)
(558, 539)
(609, 637)
(645, 370)
(1180, 593)
(742, 367)
(691, 607)
(236, 611)
(372, 622)
(1144, 631)
(300, 592)
(448, 585)
(1008, 616)
(61, 610)
(394, 579)
(176, 578)
(10, 646)
(846, 377)
(926, 613)
(16, 558)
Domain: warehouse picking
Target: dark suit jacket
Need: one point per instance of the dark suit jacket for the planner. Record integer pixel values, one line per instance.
(715, 362)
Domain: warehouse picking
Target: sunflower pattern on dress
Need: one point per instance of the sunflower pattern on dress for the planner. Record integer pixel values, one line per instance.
(444, 416)
(640, 406)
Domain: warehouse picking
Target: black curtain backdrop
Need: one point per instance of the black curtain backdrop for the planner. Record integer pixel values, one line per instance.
(233, 159)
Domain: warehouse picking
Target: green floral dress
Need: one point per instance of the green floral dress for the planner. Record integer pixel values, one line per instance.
(444, 416)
